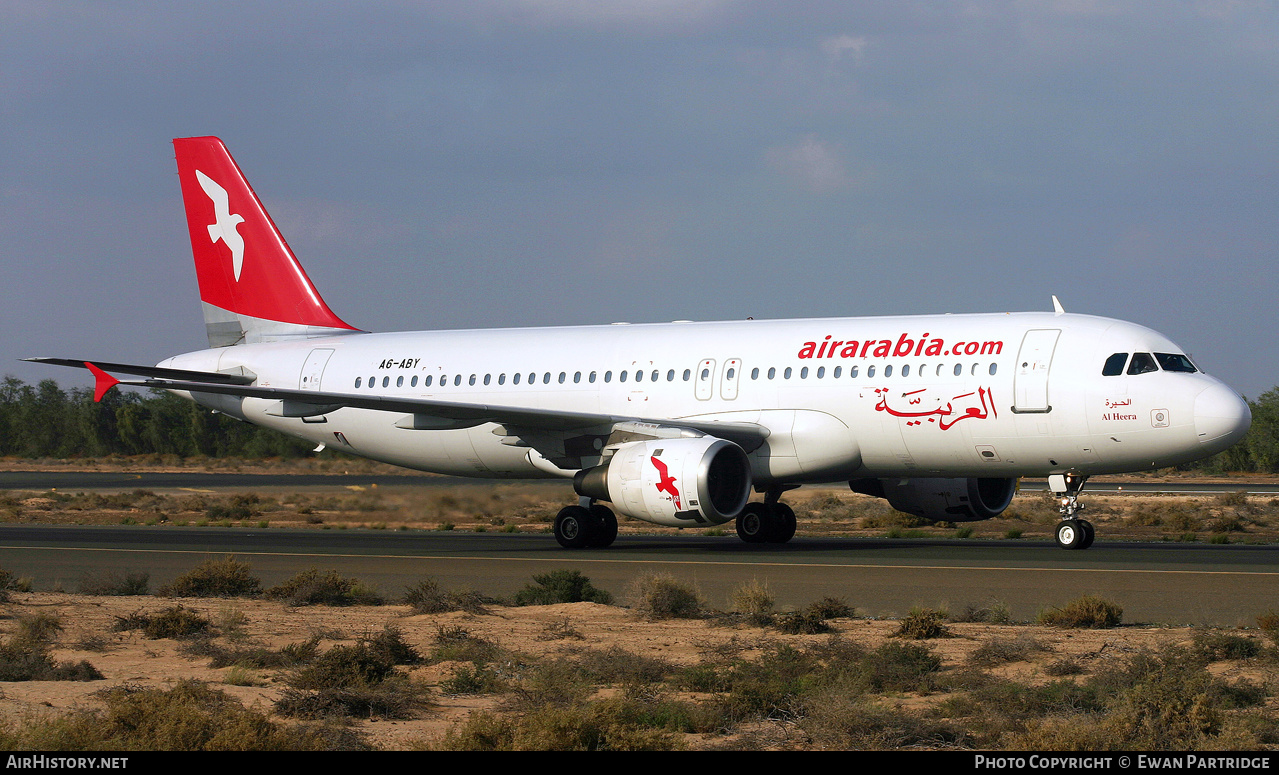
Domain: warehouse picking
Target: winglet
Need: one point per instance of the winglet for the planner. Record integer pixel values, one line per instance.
(103, 381)
(1057, 308)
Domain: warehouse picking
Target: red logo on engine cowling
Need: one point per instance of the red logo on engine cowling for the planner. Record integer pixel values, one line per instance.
(667, 482)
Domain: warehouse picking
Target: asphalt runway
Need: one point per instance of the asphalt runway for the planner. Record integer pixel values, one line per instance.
(147, 480)
(1169, 583)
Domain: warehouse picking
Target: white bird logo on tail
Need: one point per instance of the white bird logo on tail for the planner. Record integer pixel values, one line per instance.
(224, 227)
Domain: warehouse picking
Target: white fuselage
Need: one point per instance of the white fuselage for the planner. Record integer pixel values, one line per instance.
(988, 395)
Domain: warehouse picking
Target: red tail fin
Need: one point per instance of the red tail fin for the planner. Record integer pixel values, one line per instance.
(252, 286)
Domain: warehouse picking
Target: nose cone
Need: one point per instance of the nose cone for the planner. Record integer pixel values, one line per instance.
(1221, 417)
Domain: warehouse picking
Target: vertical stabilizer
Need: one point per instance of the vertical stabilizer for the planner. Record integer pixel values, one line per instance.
(252, 287)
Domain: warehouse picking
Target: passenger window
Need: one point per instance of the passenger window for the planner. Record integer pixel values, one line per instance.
(487, 377)
(754, 374)
(501, 379)
(471, 381)
(852, 372)
(577, 377)
(1142, 363)
(608, 376)
(653, 377)
(670, 375)
(399, 381)
(621, 375)
(906, 370)
(870, 372)
(639, 376)
(515, 378)
(993, 368)
(803, 373)
(358, 380)
(1114, 365)
(838, 370)
(457, 379)
(687, 374)
(591, 378)
(959, 369)
(563, 376)
(772, 372)
(546, 378)
(428, 380)
(706, 373)
(786, 374)
(821, 372)
(888, 370)
(731, 373)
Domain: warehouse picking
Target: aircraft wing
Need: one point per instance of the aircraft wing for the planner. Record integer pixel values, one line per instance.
(425, 413)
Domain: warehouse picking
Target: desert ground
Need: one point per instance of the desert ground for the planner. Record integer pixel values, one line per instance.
(92, 627)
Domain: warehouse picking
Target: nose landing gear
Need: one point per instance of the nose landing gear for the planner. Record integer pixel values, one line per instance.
(1072, 532)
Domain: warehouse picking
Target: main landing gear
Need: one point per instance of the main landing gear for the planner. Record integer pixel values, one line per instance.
(769, 522)
(586, 525)
(1072, 532)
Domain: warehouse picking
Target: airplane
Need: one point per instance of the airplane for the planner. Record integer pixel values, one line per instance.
(680, 423)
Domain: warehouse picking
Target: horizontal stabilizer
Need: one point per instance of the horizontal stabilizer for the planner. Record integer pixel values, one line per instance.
(151, 371)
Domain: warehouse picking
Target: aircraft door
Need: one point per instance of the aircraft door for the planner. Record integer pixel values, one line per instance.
(313, 370)
(732, 374)
(704, 380)
(1030, 380)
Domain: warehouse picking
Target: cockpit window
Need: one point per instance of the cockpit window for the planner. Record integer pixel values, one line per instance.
(1175, 362)
(1114, 365)
(1142, 363)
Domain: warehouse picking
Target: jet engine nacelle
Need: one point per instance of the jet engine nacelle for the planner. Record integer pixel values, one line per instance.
(943, 500)
(678, 482)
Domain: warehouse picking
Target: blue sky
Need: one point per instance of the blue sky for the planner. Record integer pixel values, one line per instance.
(546, 162)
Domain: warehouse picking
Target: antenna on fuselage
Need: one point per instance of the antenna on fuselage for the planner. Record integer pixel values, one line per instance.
(1057, 308)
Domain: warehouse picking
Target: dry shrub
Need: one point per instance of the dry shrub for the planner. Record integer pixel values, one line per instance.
(225, 577)
(194, 717)
(998, 651)
(359, 680)
(25, 655)
(922, 624)
(561, 586)
(313, 587)
(754, 600)
(455, 643)
(661, 596)
(1269, 624)
(428, 597)
(990, 612)
(115, 583)
(610, 725)
(1086, 612)
(838, 719)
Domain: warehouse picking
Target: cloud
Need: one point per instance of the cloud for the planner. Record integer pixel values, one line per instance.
(843, 46)
(602, 14)
(812, 163)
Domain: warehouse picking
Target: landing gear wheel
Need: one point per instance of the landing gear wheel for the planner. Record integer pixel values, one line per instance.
(1089, 533)
(575, 527)
(785, 523)
(1070, 534)
(605, 526)
(755, 524)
